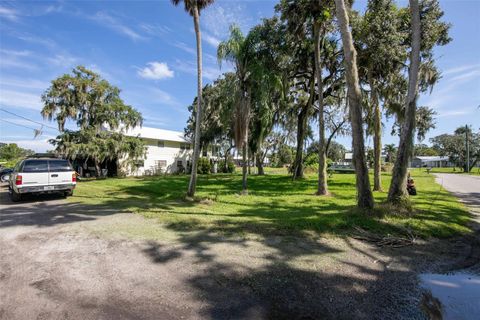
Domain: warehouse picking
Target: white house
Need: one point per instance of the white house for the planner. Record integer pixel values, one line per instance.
(167, 151)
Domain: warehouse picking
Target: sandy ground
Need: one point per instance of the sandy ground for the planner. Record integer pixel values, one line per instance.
(57, 261)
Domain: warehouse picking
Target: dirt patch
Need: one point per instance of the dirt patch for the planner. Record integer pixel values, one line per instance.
(99, 267)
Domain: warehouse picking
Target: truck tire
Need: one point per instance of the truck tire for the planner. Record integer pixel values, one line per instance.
(15, 197)
(68, 193)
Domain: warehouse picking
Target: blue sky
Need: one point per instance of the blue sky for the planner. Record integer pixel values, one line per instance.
(147, 48)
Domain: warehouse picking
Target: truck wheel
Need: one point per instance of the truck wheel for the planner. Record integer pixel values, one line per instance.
(15, 197)
(69, 193)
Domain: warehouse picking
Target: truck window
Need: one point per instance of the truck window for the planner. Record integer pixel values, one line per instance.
(59, 166)
(35, 166)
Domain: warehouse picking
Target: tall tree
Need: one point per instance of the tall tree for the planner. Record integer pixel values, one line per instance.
(93, 104)
(364, 193)
(427, 30)
(379, 40)
(193, 7)
(236, 50)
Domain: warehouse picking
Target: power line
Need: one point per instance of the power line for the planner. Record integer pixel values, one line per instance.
(20, 125)
(17, 115)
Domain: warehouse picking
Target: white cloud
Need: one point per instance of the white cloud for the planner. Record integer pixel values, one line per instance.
(185, 47)
(211, 40)
(218, 17)
(20, 99)
(8, 14)
(16, 53)
(453, 113)
(155, 29)
(22, 83)
(116, 25)
(460, 69)
(63, 60)
(209, 72)
(156, 70)
(163, 97)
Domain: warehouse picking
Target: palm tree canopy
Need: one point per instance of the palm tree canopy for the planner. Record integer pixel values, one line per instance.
(233, 50)
(190, 5)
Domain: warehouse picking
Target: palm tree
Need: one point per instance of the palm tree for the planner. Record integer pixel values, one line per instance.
(365, 197)
(235, 50)
(193, 7)
(390, 150)
(398, 186)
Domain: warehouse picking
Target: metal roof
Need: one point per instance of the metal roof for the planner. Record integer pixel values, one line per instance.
(156, 134)
(432, 158)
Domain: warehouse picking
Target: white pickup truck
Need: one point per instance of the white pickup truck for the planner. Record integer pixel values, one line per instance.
(41, 175)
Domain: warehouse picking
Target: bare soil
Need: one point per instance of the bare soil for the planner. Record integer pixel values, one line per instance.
(60, 260)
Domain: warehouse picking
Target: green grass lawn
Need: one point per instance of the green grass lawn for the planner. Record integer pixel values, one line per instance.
(474, 171)
(275, 205)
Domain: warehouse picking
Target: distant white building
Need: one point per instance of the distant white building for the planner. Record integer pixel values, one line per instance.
(167, 151)
(432, 162)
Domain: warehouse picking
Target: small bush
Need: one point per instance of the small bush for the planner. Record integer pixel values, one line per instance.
(387, 167)
(229, 168)
(204, 165)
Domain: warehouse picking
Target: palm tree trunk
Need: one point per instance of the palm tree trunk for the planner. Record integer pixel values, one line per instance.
(377, 138)
(398, 186)
(244, 169)
(198, 116)
(364, 193)
(322, 157)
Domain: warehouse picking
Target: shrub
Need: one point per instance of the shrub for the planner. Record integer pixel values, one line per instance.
(204, 165)
(387, 167)
(229, 168)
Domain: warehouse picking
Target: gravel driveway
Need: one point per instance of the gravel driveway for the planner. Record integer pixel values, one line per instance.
(55, 264)
(465, 187)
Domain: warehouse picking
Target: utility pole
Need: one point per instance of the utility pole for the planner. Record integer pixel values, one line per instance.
(468, 149)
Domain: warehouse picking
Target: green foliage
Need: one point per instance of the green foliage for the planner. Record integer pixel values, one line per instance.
(89, 100)
(93, 103)
(228, 168)
(311, 161)
(284, 156)
(336, 151)
(424, 150)
(391, 152)
(204, 165)
(454, 146)
(11, 153)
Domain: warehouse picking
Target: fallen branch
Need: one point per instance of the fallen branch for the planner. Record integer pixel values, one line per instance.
(384, 241)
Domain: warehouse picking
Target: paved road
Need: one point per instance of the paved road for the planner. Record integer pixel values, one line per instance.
(465, 187)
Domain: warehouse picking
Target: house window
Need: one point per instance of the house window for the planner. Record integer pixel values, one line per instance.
(204, 153)
(161, 144)
(160, 163)
(179, 163)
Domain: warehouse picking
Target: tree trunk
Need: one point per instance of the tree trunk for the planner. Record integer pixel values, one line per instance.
(198, 116)
(244, 169)
(398, 186)
(301, 124)
(377, 138)
(98, 169)
(260, 169)
(322, 188)
(364, 197)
